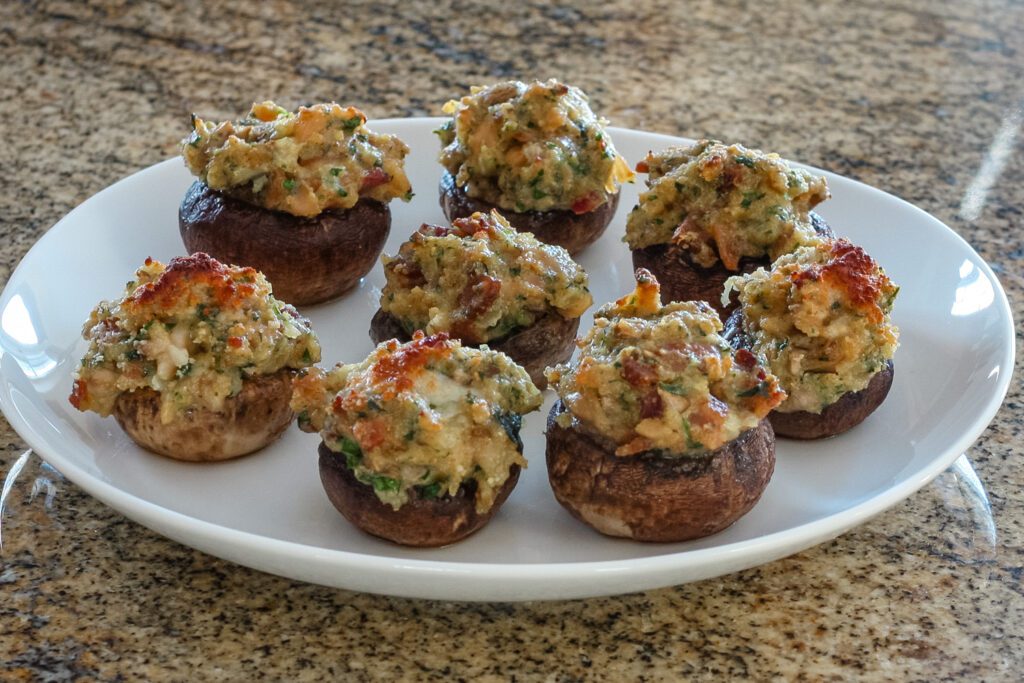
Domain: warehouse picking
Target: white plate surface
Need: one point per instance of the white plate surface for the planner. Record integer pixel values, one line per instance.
(269, 512)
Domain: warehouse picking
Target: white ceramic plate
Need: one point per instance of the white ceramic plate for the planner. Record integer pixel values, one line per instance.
(269, 512)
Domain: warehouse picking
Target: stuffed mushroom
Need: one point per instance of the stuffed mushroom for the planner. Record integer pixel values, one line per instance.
(420, 441)
(195, 361)
(659, 433)
(538, 153)
(302, 197)
(820, 319)
(713, 210)
(482, 282)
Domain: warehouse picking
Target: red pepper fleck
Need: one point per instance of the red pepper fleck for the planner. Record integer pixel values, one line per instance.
(586, 203)
(79, 394)
(377, 176)
(745, 359)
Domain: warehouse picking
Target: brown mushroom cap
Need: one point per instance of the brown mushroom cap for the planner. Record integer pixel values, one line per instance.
(562, 227)
(652, 496)
(547, 342)
(307, 260)
(248, 421)
(848, 411)
(682, 279)
(420, 522)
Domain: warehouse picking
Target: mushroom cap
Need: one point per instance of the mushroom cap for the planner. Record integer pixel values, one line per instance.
(419, 522)
(654, 496)
(307, 260)
(247, 422)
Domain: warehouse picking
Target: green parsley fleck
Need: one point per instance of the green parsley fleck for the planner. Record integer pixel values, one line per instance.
(751, 197)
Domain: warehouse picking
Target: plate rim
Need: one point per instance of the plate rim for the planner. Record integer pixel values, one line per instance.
(744, 553)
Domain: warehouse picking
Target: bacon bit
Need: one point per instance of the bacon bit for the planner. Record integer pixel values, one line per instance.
(235, 342)
(728, 245)
(730, 178)
(394, 370)
(431, 230)
(651, 405)
(377, 176)
(407, 274)
(706, 421)
(712, 413)
(711, 166)
(478, 222)
(184, 278)
(637, 373)
(850, 269)
(475, 299)
(700, 351)
(110, 324)
(79, 395)
(746, 360)
(473, 225)
(587, 203)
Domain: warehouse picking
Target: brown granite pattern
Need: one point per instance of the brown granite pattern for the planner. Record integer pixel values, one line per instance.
(904, 96)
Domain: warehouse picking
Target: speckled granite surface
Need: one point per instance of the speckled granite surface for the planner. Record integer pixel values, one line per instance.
(903, 96)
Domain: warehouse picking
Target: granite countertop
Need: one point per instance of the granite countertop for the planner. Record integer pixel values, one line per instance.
(923, 103)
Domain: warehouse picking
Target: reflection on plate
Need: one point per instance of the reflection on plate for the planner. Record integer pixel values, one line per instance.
(268, 511)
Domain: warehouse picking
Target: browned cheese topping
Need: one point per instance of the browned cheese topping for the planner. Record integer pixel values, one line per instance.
(653, 377)
(421, 418)
(303, 163)
(480, 280)
(192, 331)
(723, 202)
(531, 147)
(820, 319)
